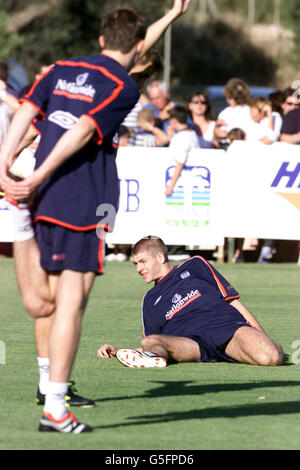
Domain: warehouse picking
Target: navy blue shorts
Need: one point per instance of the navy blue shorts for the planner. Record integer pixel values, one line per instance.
(212, 345)
(62, 248)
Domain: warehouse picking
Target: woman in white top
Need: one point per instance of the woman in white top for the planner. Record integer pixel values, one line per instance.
(202, 121)
(183, 140)
(267, 123)
(237, 114)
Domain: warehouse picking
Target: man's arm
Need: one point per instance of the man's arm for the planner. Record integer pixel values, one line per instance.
(157, 29)
(247, 314)
(16, 131)
(70, 142)
(290, 138)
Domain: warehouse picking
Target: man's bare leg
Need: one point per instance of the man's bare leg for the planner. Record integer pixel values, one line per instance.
(251, 346)
(177, 348)
(71, 299)
(37, 292)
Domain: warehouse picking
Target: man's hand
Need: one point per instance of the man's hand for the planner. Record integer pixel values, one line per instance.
(107, 351)
(181, 6)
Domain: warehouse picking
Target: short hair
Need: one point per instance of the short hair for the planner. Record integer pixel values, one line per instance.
(3, 71)
(259, 103)
(236, 134)
(146, 113)
(153, 244)
(237, 90)
(123, 28)
(180, 113)
(160, 84)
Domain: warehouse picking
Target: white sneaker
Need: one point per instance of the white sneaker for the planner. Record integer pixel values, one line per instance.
(133, 358)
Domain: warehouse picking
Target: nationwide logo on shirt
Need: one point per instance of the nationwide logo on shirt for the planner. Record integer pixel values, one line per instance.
(76, 90)
(179, 302)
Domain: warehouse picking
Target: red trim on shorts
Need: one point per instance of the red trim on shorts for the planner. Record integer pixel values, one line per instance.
(54, 221)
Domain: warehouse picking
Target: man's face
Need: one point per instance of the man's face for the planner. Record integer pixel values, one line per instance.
(291, 103)
(158, 98)
(148, 266)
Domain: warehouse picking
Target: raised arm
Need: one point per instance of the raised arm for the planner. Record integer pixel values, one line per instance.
(157, 29)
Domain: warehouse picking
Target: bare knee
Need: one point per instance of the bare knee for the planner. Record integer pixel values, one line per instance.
(38, 308)
(149, 341)
(271, 357)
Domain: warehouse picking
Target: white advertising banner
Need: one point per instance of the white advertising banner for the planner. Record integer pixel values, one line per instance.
(252, 190)
(260, 195)
(188, 217)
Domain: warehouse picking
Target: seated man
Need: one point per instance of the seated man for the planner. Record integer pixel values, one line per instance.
(192, 314)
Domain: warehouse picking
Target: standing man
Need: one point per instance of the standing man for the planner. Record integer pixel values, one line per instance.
(82, 101)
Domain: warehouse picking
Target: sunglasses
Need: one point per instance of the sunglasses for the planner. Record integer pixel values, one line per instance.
(289, 103)
(199, 101)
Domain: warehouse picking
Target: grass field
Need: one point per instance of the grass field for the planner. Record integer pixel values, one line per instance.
(183, 407)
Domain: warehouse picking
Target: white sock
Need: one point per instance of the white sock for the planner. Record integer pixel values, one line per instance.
(44, 364)
(55, 399)
(23, 228)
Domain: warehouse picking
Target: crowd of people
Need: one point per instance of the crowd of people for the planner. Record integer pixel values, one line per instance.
(260, 119)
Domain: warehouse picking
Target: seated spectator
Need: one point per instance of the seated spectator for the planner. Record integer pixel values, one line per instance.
(148, 134)
(201, 119)
(124, 136)
(267, 122)
(237, 113)
(160, 102)
(289, 101)
(290, 130)
(184, 139)
(147, 66)
(236, 134)
(8, 102)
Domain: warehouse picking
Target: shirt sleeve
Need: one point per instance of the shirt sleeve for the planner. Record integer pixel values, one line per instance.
(38, 95)
(212, 276)
(181, 145)
(115, 100)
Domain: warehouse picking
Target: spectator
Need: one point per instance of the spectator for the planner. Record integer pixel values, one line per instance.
(267, 123)
(160, 102)
(202, 119)
(124, 136)
(184, 139)
(148, 134)
(237, 113)
(289, 101)
(8, 102)
(236, 134)
(290, 130)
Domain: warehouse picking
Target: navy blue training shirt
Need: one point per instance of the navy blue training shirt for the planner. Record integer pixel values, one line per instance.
(100, 88)
(192, 299)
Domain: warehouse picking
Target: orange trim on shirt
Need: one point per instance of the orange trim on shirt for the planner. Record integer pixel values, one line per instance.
(220, 285)
(34, 105)
(160, 279)
(73, 96)
(30, 92)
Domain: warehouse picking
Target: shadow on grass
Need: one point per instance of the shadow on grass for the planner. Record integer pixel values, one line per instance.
(259, 409)
(184, 388)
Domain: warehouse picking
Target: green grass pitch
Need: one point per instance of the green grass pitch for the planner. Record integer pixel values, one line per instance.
(185, 406)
